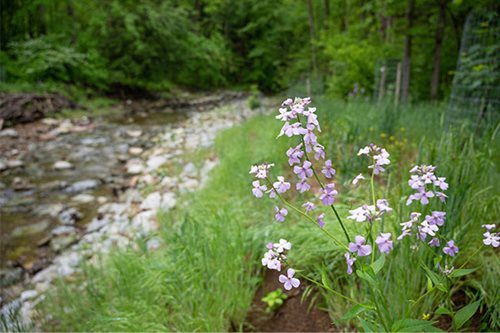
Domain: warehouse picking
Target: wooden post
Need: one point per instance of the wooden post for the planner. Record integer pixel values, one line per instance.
(382, 83)
(398, 84)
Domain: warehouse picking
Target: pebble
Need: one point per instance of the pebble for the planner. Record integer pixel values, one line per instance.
(62, 165)
(83, 198)
(69, 216)
(135, 150)
(83, 185)
(9, 132)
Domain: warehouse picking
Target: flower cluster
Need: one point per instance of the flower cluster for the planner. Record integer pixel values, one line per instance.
(425, 183)
(275, 257)
(276, 254)
(379, 155)
(370, 213)
(491, 238)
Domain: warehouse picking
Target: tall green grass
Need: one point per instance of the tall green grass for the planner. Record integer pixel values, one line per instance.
(205, 276)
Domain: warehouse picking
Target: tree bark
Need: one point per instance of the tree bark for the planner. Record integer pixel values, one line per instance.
(406, 71)
(436, 64)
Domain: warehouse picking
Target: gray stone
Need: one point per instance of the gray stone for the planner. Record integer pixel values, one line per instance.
(14, 164)
(61, 242)
(49, 209)
(190, 170)
(62, 165)
(9, 132)
(168, 201)
(63, 230)
(154, 162)
(83, 185)
(83, 198)
(152, 202)
(10, 276)
(69, 216)
(28, 294)
(134, 166)
(32, 229)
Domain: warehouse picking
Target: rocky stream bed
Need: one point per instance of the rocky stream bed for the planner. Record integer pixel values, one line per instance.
(71, 190)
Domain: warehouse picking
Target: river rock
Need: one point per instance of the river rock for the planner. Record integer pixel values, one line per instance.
(134, 166)
(9, 132)
(69, 216)
(83, 185)
(3, 165)
(168, 201)
(145, 222)
(153, 244)
(61, 242)
(49, 209)
(134, 133)
(32, 229)
(10, 276)
(83, 198)
(28, 294)
(154, 162)
(62, 165)
(14, 164)
(63, 230)
(152, 202)
(135, 150)
(190, 170)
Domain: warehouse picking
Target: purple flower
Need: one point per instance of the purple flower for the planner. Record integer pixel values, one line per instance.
(269, 246)
(328, 171)
(489, 227)
(284, 115)
(319, 152)
(415, 182)
(287, 102)
(303, 171)
(362, 213)
(436, 218)
(428, 178)
(429, 229)
(309, 206)
(383, 206)
(289, 281)
(357, 179)
(260, 171)
(302, 186)
(360, 247)
(440, 181)
(350, 262)
(441, 196)
(258, 189)
(271, 261)
(328, 196)
(422, 196)
(364, 151)
(281, 186)
(320, 221)
(384, 242)
(293, 129)
(434, 242)
(451, 249)
(280, 214)
(282, 245)
(295, 154)
(310, 138)
(491, 239)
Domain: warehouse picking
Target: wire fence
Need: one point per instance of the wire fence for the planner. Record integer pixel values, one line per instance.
(475, 95)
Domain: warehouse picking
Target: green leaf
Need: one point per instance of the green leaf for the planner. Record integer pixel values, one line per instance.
(464, 314)
(463, 271)
(356, 310)
(370, 327)
(443, 310)
(413, 325)
(378, 264)
(324, 280)
(429, 284)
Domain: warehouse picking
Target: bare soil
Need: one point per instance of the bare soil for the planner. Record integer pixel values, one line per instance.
(294, 316)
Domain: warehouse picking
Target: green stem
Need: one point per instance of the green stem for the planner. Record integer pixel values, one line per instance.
(339, 243)
(328, 288)
(323, 187)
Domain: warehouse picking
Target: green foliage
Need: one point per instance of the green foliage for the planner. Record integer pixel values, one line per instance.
(274, 300)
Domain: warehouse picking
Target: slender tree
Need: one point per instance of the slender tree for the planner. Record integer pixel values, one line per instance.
(438, 43)
(406, 70)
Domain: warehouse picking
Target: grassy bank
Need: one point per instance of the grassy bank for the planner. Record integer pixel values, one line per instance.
(205, 276)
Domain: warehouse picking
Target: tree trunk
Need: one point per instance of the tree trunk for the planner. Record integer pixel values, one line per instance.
(326, 5)
(436, 67)
(312, 34)
(410, 13)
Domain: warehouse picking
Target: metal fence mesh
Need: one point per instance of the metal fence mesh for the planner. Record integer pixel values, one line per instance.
(475, 95)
